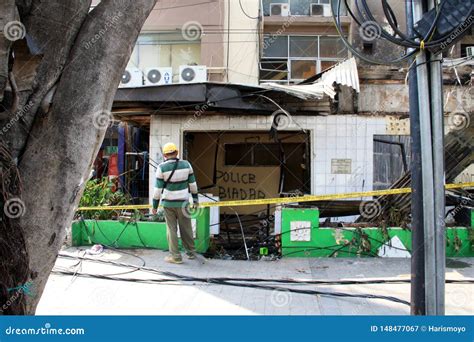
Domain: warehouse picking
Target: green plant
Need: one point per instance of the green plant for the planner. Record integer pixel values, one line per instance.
(98, 193)
(457, 242)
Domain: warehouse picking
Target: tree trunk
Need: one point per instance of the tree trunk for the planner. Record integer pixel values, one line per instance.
(65, 113)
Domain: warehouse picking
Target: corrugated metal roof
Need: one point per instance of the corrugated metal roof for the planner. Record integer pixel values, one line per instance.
(344, 73)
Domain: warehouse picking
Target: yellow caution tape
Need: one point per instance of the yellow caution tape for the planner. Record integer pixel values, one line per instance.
(116, 207)
(314, 198)
(285, 200)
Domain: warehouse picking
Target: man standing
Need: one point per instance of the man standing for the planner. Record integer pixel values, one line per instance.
(174, 182)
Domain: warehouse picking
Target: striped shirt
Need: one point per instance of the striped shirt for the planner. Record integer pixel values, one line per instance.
(178, 188)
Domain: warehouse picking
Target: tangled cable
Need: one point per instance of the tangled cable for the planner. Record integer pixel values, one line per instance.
(241, 282)
(367, 21)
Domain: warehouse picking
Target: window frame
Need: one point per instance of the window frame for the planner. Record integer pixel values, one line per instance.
(251, 150)
(266, 10)
(159, 43)
(317, 59)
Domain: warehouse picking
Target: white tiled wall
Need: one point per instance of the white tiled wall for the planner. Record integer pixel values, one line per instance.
(332, 137)
(344, 137)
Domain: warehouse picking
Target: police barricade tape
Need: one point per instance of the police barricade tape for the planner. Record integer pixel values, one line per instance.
(285, 200)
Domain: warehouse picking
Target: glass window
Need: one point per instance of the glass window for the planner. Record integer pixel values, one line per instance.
(300, 7)
(327, 64)
(302, 69)
(303, 57)
(332, 47)
(274, 70)
(275, 46)
(304, 47)
(164, 50)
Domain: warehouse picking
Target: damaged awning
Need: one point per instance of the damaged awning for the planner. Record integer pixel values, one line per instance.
(213, 97)
(344, 73)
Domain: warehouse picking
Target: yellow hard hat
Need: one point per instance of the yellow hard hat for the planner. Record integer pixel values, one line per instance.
(169, 148)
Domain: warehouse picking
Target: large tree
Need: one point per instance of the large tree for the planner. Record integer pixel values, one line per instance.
(60, 65)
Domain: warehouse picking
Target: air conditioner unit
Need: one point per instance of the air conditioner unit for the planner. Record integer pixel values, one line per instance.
(192, 73)
(470, 51)
(282, 10)
(321, 10)
(158, 76)
(131, 78)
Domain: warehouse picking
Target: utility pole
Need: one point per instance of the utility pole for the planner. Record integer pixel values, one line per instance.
(427, 176)
(417, 233)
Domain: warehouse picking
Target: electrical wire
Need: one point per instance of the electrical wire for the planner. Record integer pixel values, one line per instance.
(227, 282)
(245, 13)
(265, 280)
(337, 21)
(240, 223)
(235, 284)
(247, 282)
(364, 16)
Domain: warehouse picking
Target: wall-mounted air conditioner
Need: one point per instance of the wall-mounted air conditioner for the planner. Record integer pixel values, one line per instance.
(282, 10)
(192, 73)
(470, 51)
(131, 78)
(320, 10)
(158, 76)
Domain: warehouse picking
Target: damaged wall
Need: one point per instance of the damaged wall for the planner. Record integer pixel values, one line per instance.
(393, 99)
(341, 145)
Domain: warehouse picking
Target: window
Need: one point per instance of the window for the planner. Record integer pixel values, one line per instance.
(464, 49)
(332, 47)
(299, 7)
(274, 69)
(304, 46)
(296, 170)
(251, 154)
(295, 58)
(164, 50)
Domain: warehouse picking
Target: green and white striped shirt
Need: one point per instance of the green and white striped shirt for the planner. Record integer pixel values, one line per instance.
(178, 188)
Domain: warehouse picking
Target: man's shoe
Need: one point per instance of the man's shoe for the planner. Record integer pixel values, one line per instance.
(191, 255)
(172, 260)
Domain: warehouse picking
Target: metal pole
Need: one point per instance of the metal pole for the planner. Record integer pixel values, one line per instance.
(428, 174)
(418, 236)
(437, 125)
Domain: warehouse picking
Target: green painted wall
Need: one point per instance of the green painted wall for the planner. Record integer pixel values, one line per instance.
(351, 242)
(135, 234)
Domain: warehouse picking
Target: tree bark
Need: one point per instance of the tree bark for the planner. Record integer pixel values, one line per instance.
(67, 113)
